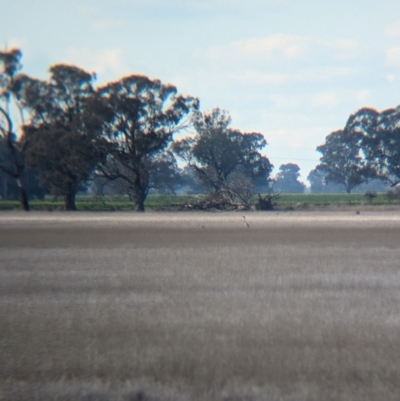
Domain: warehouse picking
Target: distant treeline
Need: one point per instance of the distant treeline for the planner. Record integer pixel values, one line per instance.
(62, 135)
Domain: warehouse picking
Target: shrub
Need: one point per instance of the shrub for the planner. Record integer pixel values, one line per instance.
(370, 195)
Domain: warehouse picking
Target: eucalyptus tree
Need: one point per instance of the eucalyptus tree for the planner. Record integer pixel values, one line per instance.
(65, 132)
(226, 160)
(143, 116)
(287, 178)
(13, 146)
(165, 175)
(378, 136)
(316, 178)
(343, 161)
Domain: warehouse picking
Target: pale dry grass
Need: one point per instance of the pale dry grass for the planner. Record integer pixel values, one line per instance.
(196, 306)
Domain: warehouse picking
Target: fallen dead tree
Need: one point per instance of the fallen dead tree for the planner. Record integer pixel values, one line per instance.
(210, 202)
(268, 201)
(226, 202)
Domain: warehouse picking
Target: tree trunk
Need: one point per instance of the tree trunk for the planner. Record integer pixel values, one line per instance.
(23, 196)
(5, 186)
(139, 207)
(69, 201)
(140, 197)
(139, 194)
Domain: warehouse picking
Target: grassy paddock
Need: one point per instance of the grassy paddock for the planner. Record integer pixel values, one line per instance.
(312, 200)
(106, 203)
(300, 306)
(172, 202)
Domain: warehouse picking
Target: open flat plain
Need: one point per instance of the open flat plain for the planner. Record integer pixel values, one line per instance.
(187, 306)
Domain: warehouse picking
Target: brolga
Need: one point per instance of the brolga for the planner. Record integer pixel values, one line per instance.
(245, 222)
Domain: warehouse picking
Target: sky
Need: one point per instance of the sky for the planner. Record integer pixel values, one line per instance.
(293, 70)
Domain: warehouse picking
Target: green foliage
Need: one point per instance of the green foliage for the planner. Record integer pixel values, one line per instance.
(65, 134)
(287, 180)
(343, 162)
(370, 195)
(226, 161)
(143, 116)
(330, 199)
(378, 135)
(122, 136)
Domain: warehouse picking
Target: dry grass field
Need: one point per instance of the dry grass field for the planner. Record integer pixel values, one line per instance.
(167, 306)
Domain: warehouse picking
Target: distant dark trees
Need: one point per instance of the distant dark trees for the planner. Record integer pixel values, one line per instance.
(316, 178)
(287, 179)
(366, 149)
(226, 161)
(342, 160)
(62, 134)
(70, 133)
(378, 138)
(318, 183)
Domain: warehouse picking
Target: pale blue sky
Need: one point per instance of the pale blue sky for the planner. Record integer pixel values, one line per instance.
(291, 69)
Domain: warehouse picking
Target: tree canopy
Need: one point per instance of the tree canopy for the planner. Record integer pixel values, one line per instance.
(287, 179)
(342, 160)
(65, 134)
(367, 148)
(378, 138)
(143, 116)
(226, 160)
(121, 135)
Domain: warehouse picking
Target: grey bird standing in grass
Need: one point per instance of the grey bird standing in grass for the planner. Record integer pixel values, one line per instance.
(245, 222)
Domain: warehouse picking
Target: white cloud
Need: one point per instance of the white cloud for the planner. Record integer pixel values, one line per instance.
(287, 46)
(277, 79)
(264, 50)
(393, 56)
(340, 49)
(85, 10)
(393, 30)
(333, 99)
(391, 77)
(327, 99)
(325, 74)
(293, 138)
(255, 77)
(281, 59)
(363, 95)
(103, 62)
(21, 43)
(285, 102)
